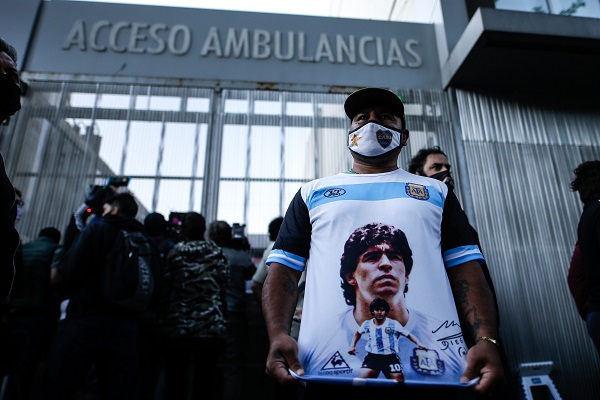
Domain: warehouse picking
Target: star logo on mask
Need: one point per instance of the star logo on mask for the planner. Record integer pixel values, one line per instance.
(354, 140)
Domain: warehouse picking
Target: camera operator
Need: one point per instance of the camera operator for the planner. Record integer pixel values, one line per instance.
(91, 209)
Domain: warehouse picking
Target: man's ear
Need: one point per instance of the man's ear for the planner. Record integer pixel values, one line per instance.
(350, 278)
(404, 137)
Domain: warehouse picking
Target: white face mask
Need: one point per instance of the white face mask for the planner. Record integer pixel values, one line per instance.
(373, 139)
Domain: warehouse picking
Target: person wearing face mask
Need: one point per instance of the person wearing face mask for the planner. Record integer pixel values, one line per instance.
(433, 163)
(447, 283)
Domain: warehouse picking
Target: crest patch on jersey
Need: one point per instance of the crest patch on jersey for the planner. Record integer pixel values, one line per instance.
(415, 191)
(384, 138)
(427, 362)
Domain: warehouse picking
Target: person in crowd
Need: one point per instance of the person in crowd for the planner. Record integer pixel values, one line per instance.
(587, 184)
(258, 279)
(95, 333)
(34, 309)
(447, 282)
(149, 358)
(10, 103)
(192, 313)
(156, 228)
(433, 163)
(241, 268)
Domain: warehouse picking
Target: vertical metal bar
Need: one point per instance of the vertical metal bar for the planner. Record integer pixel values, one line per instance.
(194, 172)
(212, 164)
(158, 175)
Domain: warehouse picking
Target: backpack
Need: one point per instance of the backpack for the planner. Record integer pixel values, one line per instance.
(128, 280)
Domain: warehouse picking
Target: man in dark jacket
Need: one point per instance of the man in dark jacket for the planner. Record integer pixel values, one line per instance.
(10, 103)
(95, 333)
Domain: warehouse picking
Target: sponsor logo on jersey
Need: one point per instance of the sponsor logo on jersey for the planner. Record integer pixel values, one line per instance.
(427, 362)
(415, 191)
(335, 192)
(336, 365)
(384, 138)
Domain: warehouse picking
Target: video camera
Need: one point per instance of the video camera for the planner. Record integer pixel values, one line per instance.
(97, 195)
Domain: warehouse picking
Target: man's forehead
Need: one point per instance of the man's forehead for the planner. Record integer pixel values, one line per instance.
(436, 158)
(377, 108)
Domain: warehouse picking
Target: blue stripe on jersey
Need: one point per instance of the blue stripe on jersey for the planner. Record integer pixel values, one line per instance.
(462, 254)
(367, 192)
(379, 339)
(288, 259)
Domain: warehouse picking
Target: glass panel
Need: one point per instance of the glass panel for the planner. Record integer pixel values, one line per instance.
(198, 188)
(302, 109)
(578, 8)
(142, 150)
(195, 104)
(234, 106)
(523, 5)
(231, 202)
(179, 149)
(158, 103)
(267, 107)
(233, 161)
(266, 150)
(143, 190)
(264, 203)
(111, 145)
(299, 154)
(117, 101)
(201, 150)
(82, 100)
(173, 195)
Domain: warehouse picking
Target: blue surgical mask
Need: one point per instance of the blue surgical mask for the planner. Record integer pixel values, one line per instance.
(19, 213)
(373, 139)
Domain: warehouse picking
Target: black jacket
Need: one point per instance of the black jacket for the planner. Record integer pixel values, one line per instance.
(83, 264)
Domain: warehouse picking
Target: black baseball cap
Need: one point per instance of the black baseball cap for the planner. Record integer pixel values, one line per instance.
(374, 97)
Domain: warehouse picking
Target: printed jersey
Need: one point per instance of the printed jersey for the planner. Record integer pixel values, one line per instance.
(319, 221)
(382, 339)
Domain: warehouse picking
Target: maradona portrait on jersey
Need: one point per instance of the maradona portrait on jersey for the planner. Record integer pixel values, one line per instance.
(376, 264)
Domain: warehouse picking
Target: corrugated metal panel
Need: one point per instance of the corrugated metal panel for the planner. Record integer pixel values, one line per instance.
(521, 158)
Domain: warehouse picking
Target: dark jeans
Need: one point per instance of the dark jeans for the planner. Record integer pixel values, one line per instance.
(102, 344)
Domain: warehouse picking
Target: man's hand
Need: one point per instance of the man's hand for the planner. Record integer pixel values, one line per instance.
(283, 355)
(483, 359)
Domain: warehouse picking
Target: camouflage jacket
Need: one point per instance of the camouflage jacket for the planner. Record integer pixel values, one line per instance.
(193, 302)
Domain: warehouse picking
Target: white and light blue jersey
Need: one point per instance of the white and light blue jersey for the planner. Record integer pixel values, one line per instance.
(321, 218)
(382, 339)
